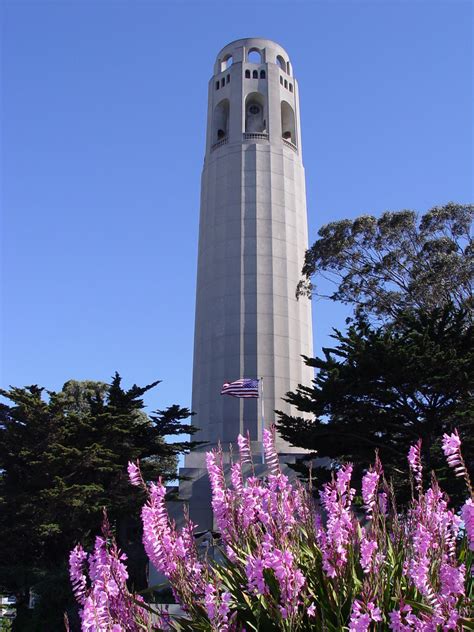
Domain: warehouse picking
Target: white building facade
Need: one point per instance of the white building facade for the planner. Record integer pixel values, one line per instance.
(252, 240)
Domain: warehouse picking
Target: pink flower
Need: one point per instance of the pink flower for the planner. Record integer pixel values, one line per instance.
(273, 536)
(107, 604)
(210, 601)
(156, 531)
(220, 496)
(236, 477)
(367, 550)
(217, 607)
(383, 503)
(369, 487)
(77, 559)
(374, 611)
(362, 615)
(467, 514)
(400, 619)
(422, 539)
(418, 571)
(134, 474)
(404, 620)
(452, 622)
(451, 444)
(414, 460)
(452, 579)
(452, 452)
(271, 456)
(254, 570)
(289, 577)
(173, 554)
(224, 608)
(334, 541)
(343, 478)
(244, 449)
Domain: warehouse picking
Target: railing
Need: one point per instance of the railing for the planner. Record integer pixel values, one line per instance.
(219, 143)
(288, 143)
(256, 136)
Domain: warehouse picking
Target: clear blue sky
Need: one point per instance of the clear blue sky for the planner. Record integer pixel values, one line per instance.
(104, 111)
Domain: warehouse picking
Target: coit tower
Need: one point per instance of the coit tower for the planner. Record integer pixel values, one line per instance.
(252, 240)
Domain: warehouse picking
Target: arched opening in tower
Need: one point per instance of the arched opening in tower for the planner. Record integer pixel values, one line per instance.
(226, 63)
(254, 56)
(281, 62)
(220, 125)
(288, 131)
(255, 120)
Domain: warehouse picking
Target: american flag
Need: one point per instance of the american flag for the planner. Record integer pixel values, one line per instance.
(241, 388)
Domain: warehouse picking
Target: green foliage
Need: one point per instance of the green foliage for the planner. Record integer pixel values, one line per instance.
(63, 457)
(380, 388)
(384, 266)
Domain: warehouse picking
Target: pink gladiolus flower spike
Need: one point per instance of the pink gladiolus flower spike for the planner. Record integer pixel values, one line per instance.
(77, 559)
(452, 452)
(369, 488)
(134, 474)
(244, 449)
(467, 514)
(414, 460)
(270, 529)
(271, 455)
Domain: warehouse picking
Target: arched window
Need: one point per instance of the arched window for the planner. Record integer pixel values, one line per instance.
(222, 82)
(227, 79)
(288, 68)
(247, 74)
(226, 63)
(288, 131)
(217, 85)
(220, 121)
(291, 87)
(255, 113)
(286, 83)
(281, 80)
(255, 74)
(281, 62)
(262, 74)
(254, 56)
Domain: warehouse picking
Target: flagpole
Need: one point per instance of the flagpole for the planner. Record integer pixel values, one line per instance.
(263, 418)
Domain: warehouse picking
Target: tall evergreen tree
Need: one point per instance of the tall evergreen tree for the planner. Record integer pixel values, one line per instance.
(63, 457)
(381, 388)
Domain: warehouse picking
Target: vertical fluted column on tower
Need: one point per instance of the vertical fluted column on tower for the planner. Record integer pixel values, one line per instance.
(252, 239)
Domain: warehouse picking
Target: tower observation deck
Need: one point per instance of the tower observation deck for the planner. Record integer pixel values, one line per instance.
(252, 240)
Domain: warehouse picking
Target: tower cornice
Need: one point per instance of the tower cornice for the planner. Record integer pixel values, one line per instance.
(238, 50)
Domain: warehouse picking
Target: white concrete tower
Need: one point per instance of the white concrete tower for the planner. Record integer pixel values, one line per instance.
(252, 240)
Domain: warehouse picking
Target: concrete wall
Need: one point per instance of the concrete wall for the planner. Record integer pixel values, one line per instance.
(252, 239)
